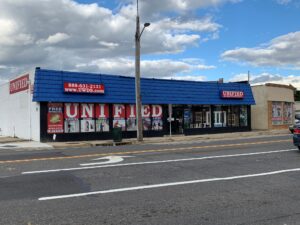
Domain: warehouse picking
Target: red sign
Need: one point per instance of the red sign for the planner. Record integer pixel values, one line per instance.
(119, 111)
(130, 111)
(71, 111)
(83, 88)
(55, 118)
(232, 94)
(102, 111)
(19, 84)
(87, 111)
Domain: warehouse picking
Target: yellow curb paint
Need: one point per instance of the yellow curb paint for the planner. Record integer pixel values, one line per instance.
(139, 152)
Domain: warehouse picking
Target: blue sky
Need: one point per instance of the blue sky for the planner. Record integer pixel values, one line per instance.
(193, 40)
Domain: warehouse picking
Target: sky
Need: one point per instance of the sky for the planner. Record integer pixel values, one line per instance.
(201, 40)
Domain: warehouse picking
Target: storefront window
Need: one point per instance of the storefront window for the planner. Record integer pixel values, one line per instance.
(277, 113)
(71, 115)
(87, 114)
(102, 117)
(130, 117)
(220, 117)
(55, 118)
(243, 116)
(187, 118)
(201, 117)
(146, 115)
(287, 113)
(157, 122)
(233, 116)
(119, 116)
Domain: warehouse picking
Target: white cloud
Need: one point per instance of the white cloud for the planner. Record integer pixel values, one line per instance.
(149, 68)
(282, 51)
(56, 38)
(191, 78)
(62, 33)
(269, 78)
(177, 25)
(284, 2)
(149, 9)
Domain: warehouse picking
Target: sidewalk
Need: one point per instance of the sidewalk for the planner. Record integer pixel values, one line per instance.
(16, 143)
(9, 142)
(172, 139)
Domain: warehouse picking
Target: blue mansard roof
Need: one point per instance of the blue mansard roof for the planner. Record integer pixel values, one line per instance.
(49, 87)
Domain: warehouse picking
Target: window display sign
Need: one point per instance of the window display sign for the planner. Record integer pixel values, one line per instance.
(87, 118)
(157, 122)
(19, 84)
(102, 117)
(83, 88)
(277, 113)
(119, 116)
(131, 118)
(146, 115)
(55, 118)
(71, 114)
(287, 112)
(232, 94)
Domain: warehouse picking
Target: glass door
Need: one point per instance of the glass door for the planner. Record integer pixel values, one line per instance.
(219, 119)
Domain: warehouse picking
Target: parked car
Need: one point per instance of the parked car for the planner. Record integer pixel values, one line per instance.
(296, 123)
(296, 137)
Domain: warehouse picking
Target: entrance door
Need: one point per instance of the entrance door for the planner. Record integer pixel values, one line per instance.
(177, 124)
(219, 119)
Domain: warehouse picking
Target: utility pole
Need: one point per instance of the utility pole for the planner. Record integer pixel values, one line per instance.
(138, 102)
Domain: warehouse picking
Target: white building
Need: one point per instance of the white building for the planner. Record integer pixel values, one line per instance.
(19, 116)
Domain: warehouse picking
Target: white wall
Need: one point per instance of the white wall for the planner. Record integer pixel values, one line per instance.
(19, 116)
(259, 111)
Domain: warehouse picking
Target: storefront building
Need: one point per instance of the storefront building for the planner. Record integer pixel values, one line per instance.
(274, 107)
(71, 106)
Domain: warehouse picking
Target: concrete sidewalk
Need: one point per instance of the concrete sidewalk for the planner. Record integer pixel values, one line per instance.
(172, 139)
(16, 143)
(9, 142)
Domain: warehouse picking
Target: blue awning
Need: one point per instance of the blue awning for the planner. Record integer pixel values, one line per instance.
(49, 87)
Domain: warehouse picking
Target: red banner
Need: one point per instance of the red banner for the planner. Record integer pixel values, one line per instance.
(119, 111)
(232, 94)
(55, 118)
(19, 84)
(102, 111)
(71, 111)
(130, 111)
(83, 88)
(87, 111)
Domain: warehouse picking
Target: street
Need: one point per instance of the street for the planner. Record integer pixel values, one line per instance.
(243, 181)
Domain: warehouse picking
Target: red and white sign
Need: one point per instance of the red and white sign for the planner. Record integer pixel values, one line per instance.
(119, 111)
(71, 111)
(157, 111)
(102, 111)
(232, 94)
(146, 111)
(19, 84)
(55, 118)
(83, 88)
(130, 111)
(87, 111)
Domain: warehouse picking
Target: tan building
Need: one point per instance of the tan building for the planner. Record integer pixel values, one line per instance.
(274, 107)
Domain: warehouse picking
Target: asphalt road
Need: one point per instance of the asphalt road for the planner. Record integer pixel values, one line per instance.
(243, 181)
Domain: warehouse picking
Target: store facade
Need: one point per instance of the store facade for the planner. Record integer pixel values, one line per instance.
(75, 106)
(275, 106)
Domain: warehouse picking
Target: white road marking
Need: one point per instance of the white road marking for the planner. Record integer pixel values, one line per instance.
(168, 184)
(156, 162)
(111, 159)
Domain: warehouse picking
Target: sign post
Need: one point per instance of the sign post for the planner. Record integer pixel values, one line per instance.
(170, 118)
